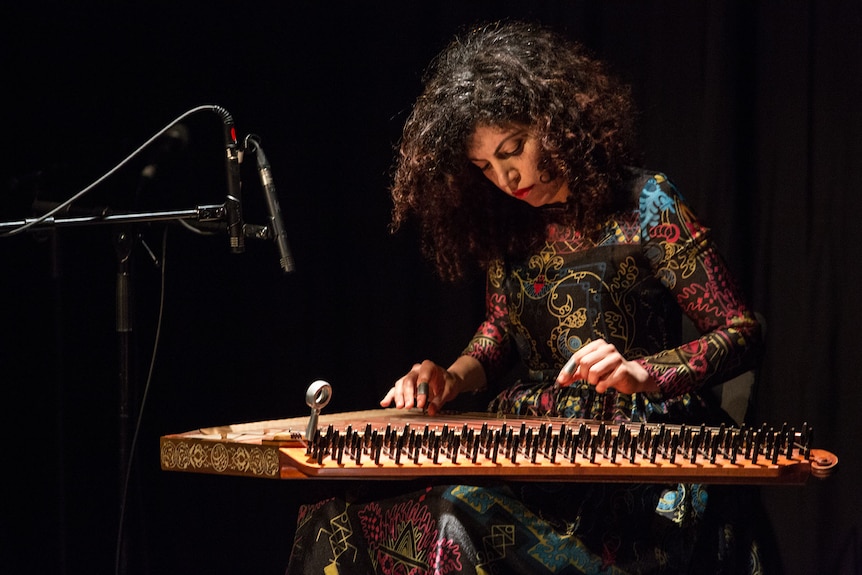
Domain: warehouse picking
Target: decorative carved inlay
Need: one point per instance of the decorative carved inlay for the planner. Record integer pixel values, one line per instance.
(220, 458)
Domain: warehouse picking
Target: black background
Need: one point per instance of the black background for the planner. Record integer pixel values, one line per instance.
(753, 110)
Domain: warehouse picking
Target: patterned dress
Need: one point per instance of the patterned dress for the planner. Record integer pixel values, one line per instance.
(629, 287)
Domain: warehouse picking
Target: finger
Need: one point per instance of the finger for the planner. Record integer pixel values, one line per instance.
(442, 389)
(567, 373)
(601, 368)
(429, 378)
(440, 395)
(603, 385)
(604, 382)
(422, 393)
(433, 408)
(613, 380)
(408, 392)
(590, 355)
(576, 367)
(409, 384)
(613, 372)
(399, 390)
(388, 398)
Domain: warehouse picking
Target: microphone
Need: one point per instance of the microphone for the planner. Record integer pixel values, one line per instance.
(233, 202)
(275, 221)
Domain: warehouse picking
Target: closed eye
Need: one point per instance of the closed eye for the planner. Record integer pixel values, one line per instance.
(519, 148)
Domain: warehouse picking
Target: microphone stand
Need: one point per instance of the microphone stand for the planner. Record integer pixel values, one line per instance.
(124, 243)
(212, 218)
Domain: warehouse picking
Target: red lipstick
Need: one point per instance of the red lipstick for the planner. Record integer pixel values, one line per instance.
(522, 193)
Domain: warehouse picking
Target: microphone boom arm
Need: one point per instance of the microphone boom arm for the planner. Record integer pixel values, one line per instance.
(205, 213)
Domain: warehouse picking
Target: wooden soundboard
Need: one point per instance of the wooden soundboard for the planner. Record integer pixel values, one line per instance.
(398, 444)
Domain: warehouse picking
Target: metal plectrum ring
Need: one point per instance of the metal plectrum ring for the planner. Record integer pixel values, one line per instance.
(571, 366)
(318, 394)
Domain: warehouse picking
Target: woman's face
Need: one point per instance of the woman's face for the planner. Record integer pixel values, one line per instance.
(509, 157)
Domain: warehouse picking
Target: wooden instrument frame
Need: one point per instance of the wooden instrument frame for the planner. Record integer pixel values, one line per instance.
(278, 449)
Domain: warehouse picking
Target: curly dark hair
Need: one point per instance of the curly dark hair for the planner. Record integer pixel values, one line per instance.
(507, 75)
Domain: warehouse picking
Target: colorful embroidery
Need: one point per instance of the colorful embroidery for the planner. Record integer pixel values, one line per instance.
(404, 540)
(629, 288)
(551, 550)
(338, 535)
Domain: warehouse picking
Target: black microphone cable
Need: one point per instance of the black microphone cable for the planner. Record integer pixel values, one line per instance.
(229, 129)
(128, 471)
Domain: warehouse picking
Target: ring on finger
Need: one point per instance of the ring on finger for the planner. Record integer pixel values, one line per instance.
(422, 388)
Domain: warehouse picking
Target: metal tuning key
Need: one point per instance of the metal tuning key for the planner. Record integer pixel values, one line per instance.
(316, 397)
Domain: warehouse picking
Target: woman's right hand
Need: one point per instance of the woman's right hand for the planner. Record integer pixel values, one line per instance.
(427, 386)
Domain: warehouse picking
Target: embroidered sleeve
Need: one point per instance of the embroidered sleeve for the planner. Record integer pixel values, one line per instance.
(685, 259)
(491, 343)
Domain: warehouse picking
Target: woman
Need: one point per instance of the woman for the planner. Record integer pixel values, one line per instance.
(518, 156)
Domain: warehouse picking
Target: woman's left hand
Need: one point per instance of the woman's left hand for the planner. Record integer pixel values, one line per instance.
(601, 365)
